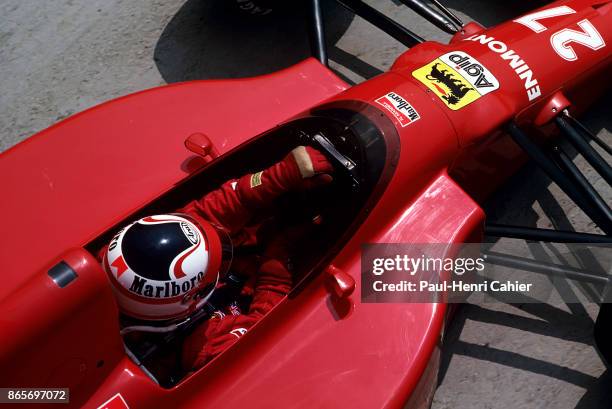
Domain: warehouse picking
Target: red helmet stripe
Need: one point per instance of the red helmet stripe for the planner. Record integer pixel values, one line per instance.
(150, 219)
(178, 267)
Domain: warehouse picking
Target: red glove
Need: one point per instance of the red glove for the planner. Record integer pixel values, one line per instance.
(218, 333)
(304, 168)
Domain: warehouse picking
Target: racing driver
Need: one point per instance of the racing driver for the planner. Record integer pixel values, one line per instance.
(164, 268)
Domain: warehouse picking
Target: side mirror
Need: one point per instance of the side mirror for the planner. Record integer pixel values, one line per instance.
(201, 145)
(340, 283)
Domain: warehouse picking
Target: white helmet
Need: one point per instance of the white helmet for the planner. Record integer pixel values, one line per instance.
(165, 267)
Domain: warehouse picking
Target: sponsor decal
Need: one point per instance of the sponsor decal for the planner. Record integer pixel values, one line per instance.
(457, 78)
(191, 235)
(115, 240)
(120, 265)
(516, 63)
(148, 288)
(235, 309)
(238, 332)
(256, 179)
(116, 402)
(399, 107)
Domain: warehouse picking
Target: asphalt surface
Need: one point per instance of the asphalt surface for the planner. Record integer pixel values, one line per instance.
(60, 57)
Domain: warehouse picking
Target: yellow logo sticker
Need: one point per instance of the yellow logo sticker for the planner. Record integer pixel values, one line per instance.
(457, 79)
(256, 179)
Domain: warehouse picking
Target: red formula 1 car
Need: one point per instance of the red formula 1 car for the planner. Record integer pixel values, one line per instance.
(417, 149)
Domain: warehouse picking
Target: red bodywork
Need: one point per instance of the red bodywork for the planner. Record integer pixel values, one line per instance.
(79, 179)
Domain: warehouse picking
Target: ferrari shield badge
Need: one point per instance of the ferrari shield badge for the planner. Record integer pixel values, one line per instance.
(457, 78)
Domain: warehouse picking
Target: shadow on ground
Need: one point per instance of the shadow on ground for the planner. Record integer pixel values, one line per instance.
(513, 205)
(490, 13)
(211, 39)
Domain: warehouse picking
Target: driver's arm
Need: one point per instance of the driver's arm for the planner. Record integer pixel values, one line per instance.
(273, 283)
(217, 334)
(234, 204)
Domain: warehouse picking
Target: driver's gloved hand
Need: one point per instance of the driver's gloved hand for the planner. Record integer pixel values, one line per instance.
(302, 169)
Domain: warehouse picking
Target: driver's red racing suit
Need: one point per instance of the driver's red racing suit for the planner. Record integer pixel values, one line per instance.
(233, 206)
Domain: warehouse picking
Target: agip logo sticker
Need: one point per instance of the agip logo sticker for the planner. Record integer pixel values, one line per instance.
(457, 78)
(399, 107)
